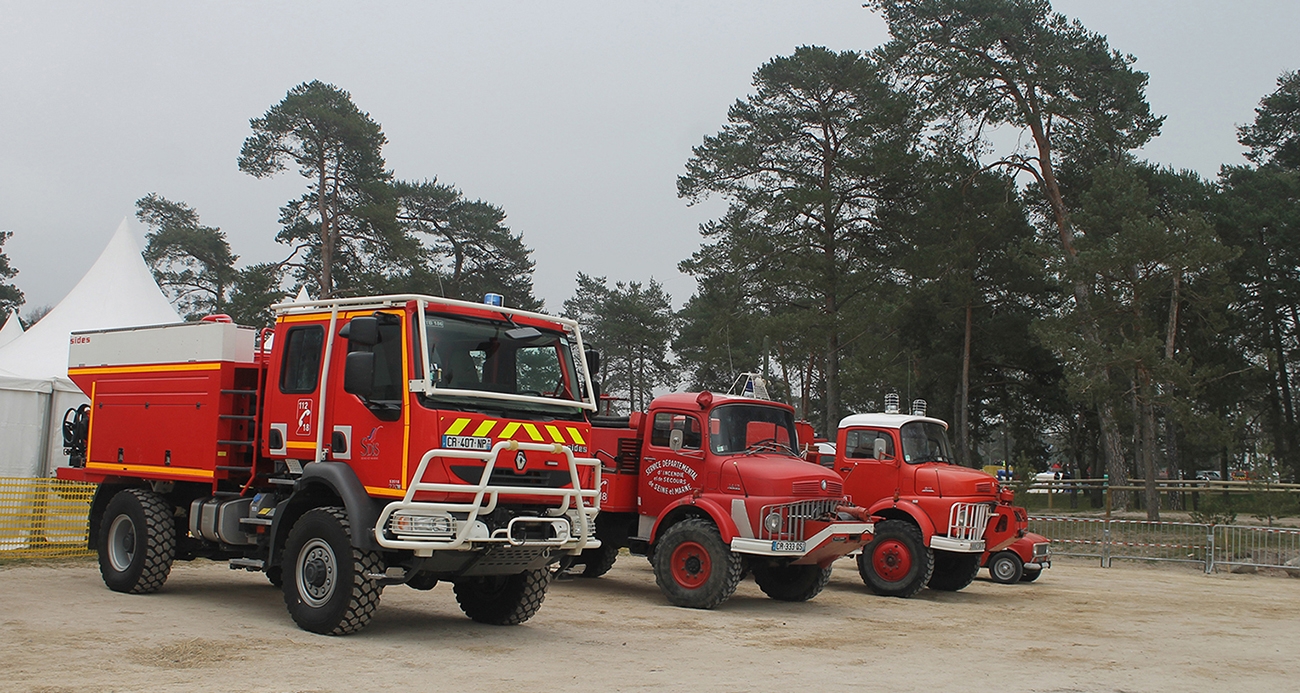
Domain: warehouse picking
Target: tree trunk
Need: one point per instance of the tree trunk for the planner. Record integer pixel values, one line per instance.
(832, 381)
(1112, 449)
(963, 425)
(326, 233)
(1146, 426)
(1111, 443)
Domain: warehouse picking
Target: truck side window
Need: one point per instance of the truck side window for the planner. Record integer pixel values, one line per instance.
(861, 445)
(300, 369)
(665, 422)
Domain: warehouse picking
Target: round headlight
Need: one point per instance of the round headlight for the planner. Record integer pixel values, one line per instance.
(772, 522)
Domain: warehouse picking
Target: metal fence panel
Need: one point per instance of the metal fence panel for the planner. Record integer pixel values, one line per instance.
(1183, 542)
(1072, 536)
(1178, 542)
(43, 518)
(1261, 547)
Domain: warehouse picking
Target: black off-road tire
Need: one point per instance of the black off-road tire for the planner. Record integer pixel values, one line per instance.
(275, 576)
(1005, 567)
(694, 567)
(137, 541)
(503, 600)
(791, 583)
(599, 561)
(1030, 575)
(896, 563)
(325, 583)
(953, 571)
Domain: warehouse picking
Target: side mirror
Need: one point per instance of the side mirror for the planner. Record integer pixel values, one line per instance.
(361, 331)
(593, 361)
(359, 372)
(879, 448)
(675, 438)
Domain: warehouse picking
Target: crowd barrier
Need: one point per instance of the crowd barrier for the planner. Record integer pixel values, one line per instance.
(1210, 546)
(43, 518)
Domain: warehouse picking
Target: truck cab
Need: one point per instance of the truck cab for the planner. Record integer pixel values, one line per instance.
(359, 443)
(709, 487)
(936, 519)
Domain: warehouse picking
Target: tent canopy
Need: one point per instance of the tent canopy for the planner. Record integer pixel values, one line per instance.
(12, 330)
(117, 291)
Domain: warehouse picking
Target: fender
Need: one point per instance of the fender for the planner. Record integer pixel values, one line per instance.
(1006, 526)
(709, 507)
(884, 506)
(103, 494)
(320, 483)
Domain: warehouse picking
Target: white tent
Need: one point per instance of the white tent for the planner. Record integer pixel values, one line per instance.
(117, 291)
(12, 330)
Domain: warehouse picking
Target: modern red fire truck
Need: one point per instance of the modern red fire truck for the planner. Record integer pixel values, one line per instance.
(710, 487)
(360, 443)
(936, 522)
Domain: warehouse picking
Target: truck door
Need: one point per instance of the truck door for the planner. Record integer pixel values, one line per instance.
(868, 478)
(367, 428)
(673, 461)
(293, 395)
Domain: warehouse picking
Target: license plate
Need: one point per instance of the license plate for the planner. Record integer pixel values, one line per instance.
(789, 546)
(466, 443)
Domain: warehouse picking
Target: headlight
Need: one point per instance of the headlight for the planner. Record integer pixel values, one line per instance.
(773, 522)
(422, 525)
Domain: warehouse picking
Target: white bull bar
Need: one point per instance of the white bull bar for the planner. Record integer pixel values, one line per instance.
(576, 507)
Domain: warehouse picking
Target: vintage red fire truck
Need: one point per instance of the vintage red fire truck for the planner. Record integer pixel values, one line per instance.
(360, 443)
(710, 487)
(936, 521)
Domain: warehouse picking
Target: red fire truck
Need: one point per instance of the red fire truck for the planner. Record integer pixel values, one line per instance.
(360, 443)
(710, 488)
(936, 522)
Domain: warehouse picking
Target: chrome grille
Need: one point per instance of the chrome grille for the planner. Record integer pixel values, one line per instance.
(968, 520)
(795, 515)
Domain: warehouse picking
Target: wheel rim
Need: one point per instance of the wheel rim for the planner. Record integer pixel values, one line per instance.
(691, 565)
(317, 572)
(121, 543)
(891, 560)
(1003, 569)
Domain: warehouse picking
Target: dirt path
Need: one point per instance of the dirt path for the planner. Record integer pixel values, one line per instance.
(1079, 628)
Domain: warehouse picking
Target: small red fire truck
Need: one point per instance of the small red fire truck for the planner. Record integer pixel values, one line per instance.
(936, 521)
(710, 487)
(360, 443)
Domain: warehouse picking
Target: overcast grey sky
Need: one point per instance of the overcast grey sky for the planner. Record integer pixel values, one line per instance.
(575, 117)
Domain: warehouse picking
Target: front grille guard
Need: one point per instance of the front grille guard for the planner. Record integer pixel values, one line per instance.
(968, 520)
(795, 516)
(586, 502)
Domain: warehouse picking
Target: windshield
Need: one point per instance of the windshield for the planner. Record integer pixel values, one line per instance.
(468, 354)
(737, 428)
(924, 442)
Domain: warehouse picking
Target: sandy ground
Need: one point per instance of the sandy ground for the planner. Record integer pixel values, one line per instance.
(1079, 628)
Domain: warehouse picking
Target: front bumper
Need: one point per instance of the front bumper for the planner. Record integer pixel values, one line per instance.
(425, 527)
(835, 540)
(941, 543)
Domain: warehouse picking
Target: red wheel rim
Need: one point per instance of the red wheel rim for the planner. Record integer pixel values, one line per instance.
(892, 560)
(691, 565)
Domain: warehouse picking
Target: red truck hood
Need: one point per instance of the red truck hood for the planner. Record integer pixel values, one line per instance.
(782, 475)
(963, 481)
